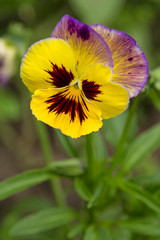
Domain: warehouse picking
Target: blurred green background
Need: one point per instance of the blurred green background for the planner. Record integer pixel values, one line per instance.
(24, 22)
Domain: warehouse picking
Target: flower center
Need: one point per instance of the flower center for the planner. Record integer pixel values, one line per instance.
(72, 93)
(76, 84)
(60, 77)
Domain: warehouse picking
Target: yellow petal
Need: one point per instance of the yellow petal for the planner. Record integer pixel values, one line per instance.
(66, 110)
(109, 97)
(42, 60)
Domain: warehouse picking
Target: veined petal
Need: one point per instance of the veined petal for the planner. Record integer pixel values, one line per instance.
(130, 64)
(111, 98)
(88, 46)
(66, 109)
(48, 63)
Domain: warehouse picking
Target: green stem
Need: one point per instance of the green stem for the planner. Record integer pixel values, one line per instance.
(121, 144)
(90, 156)
(48, 156)
(67, 145)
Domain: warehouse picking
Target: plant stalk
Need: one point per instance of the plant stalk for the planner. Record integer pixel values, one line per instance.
(90, 157)
(48, 157)
(121, 144)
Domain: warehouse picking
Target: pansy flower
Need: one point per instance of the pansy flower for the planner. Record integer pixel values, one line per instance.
(81, 75)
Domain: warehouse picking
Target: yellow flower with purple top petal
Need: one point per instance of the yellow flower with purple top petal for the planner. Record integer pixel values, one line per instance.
(82, 75)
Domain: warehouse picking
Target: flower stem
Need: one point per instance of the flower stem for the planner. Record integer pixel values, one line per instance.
(90, 157)
(67, 145)
(48, 156)
(91, 168)
(121, 144)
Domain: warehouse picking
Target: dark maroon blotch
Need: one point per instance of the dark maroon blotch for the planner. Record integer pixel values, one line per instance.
(59, 76)
(130, 59)
(83, 33)
(63, 103)
(141, 66)
(91, 89)
(71, 26)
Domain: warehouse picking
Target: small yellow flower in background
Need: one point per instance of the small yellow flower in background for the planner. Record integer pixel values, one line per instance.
(82, 75)
(7, 58)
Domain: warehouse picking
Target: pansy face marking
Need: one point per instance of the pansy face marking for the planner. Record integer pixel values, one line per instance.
(59, 76)
(65, 103)
(90, 89)
(72, 100)
(82, 75)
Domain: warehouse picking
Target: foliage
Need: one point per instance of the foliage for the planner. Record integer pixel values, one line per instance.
(110, 179)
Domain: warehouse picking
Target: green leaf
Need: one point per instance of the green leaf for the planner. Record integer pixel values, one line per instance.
(23, 181)
(148, 226)
(90, 233)
(154, 95)
(68, 168)
(99, 147)
(100, 155)
(114, 128)
(82, 189)
(148, 179)
(111, 212)
(142, 147)
(120, 234)
(27, 205)
(43, 220)
(20, 182)
(103, 233)
(97, 233)
(140, 194)
(155, 77)
(31, 178)
(96, 195)
(76, 230)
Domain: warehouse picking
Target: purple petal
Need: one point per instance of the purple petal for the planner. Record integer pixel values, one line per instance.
(130, 66)
(88, 46)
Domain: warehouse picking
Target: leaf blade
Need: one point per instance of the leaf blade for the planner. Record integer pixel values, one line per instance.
(140, 194)
(138, 151)
(69, 167)
(43, 220)
(82, 189)
(149, 227)
(23, 181)
(97, 233)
